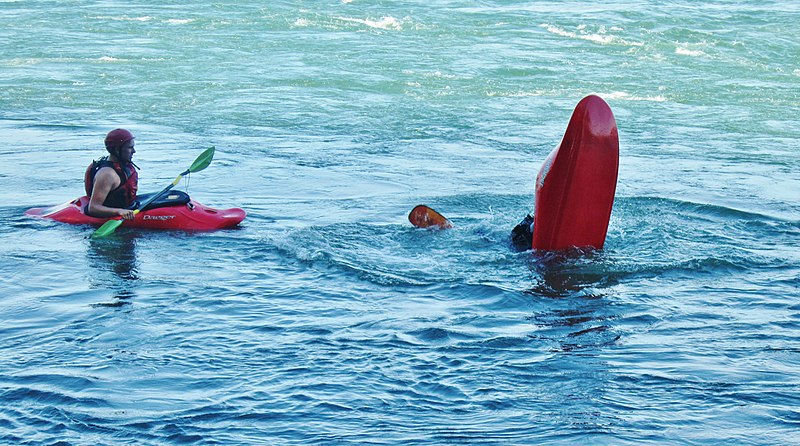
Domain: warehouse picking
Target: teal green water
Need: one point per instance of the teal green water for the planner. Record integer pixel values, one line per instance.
(326, 317)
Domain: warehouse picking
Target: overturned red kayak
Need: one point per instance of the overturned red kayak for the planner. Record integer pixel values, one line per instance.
(175, 212)
(575, 186)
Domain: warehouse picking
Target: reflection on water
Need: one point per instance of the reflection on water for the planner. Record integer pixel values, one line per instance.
(575, 284)
(576, 321)
(573, 273)
(113, 260)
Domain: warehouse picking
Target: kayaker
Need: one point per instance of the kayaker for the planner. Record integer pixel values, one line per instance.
(522, 234)
(424, 217)
(112, 181)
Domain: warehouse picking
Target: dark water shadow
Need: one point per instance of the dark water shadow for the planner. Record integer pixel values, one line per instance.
(569, 273)
(576, 300)
(577, 319)
(114, 266)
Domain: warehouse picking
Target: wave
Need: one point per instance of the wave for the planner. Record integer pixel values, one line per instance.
(684, 51)
(601, 36)
(624, 96)
(707, 209)
(143, 19)
(385, 23)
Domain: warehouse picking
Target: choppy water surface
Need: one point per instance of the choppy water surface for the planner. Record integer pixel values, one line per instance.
(326, 317)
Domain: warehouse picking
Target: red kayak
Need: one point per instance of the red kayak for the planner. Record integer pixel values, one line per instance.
(576, 184)
(175, 211)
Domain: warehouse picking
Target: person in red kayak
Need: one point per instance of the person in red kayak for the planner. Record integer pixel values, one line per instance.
(112, 181)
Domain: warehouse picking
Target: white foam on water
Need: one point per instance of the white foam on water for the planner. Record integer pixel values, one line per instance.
(684, 51)
(591, 37)
(18, 62)
(439, 75)
(144, 19)
(624, 96)
(514, 94)
(387, 22)
(600, 36)
(128, 19)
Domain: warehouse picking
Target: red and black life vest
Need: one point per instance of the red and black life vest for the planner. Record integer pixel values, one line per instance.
(122, 196)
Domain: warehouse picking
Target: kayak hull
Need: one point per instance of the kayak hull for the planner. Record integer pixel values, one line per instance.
(192, 216)
(576, 185)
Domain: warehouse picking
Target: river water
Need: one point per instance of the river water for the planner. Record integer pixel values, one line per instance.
(326, 318)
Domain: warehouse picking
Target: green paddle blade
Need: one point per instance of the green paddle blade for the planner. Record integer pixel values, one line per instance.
(203, 160)
(108, 228)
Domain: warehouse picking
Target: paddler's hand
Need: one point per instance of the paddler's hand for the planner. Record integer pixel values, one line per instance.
(126, 214)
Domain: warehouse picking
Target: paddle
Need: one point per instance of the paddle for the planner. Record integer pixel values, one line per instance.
(424, 217)
(199, 164)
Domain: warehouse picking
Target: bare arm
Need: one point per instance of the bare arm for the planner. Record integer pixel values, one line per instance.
(105, 181)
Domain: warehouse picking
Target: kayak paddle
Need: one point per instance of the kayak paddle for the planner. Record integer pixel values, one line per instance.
(199, 164)
(424, 217)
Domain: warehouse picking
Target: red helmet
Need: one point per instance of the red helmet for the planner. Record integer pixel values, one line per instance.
(117, 138)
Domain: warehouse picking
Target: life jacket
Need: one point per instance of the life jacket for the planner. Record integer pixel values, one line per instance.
(122, 196)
